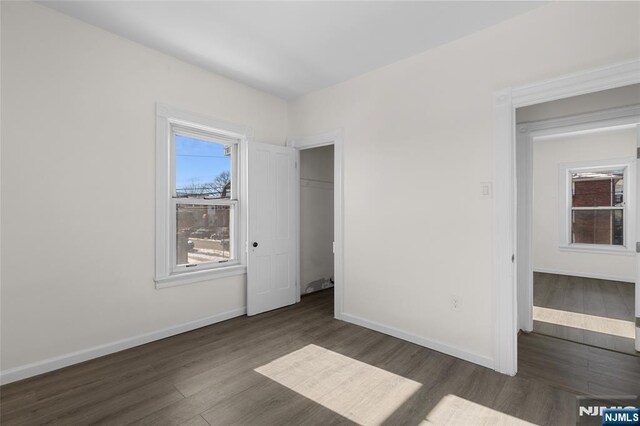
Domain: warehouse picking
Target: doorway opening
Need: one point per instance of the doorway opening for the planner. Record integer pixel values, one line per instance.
(320, 224)
(576, 221)
(508, 235)
(316, 255)
(576, 218)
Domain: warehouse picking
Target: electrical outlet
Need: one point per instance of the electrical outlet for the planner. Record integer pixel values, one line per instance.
(455, 303)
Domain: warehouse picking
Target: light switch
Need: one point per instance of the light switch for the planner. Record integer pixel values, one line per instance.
(486, 190)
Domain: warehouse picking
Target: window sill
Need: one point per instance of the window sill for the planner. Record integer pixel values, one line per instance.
(585, 248)
(199, 276)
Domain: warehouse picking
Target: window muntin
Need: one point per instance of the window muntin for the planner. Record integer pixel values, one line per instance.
(204, 203)
(597, 209)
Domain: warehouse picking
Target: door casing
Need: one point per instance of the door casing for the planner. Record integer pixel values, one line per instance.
(505, 189)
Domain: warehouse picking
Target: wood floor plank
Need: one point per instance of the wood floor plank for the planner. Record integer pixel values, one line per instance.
(197, 364)
(182, 410)
(72, 400)
(196, 421)
(541, 358)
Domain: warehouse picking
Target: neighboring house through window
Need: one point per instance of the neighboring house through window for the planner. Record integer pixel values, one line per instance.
(597, 205)
(597, 208)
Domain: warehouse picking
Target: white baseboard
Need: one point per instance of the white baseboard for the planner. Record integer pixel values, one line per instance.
(585, 275)
(47, 365)
(422, 341)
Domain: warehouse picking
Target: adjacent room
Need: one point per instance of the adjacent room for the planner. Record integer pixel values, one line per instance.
(577, 192)
(275, 212)
(579, 184)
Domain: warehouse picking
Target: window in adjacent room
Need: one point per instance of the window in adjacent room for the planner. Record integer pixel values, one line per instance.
(597, 208)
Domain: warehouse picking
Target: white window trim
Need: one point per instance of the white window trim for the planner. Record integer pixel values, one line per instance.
(565, 170)
(166, 275)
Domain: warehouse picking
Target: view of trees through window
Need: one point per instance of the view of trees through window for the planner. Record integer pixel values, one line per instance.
(203, 176)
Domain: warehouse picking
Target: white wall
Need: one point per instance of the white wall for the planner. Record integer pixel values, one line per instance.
(417, 143)
(591, 102)
(78, 135)
(548, 154)
(316, 215)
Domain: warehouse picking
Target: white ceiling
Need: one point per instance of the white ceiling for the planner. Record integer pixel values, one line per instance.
(291, 48)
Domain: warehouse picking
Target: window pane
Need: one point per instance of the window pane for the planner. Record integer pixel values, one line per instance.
(598, 227)
(202, 234)
(598, 189)
(203, 168)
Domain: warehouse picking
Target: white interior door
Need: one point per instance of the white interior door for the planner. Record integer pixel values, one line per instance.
(272, 239)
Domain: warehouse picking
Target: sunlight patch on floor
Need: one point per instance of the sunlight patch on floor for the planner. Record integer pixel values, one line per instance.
(604, 325)
(358, 391)
(453, 410)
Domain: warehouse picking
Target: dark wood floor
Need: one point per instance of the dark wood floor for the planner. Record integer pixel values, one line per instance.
(208, 376)
(599, 298)
(577, 368)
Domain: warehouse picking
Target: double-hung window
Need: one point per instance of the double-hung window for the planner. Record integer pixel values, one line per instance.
(204, 202)
(598, 206)
(199, 203)
(597, 209)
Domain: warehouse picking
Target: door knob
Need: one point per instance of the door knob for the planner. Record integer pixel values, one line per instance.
(255, 244)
